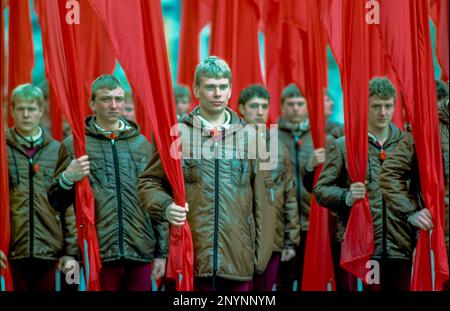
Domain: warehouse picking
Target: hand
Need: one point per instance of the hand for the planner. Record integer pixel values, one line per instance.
(287, 254)
(159, 268)
(357, 192)
(77, 169)
(317, 158)
(422, 219)
(3, 260)
(62, 264)
(176, 215)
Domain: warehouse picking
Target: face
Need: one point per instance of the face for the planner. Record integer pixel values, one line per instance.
(213, 94)
(294, 109)
(26, 116)
(380, 112)
(108, 105)
(182, 104)
(328, 106)
(255, 110)
(128, 111)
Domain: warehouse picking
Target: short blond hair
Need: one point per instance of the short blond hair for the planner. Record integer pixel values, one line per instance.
(212, 67)
(28, 93)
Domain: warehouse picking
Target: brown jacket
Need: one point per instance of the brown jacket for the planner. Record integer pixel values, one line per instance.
(37, 231)
(300, 147)
(287, 234)
(125, 230)
(393, 235)
(231, 220)
(399, 178)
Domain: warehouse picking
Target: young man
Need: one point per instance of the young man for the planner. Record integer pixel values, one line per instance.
(41, 239)
(294, 133)
(182, 100)
(129, 112)
(229, 215)
(334, 129)
(394, 238)
(116, 153)
(254, 107)
(400, 181)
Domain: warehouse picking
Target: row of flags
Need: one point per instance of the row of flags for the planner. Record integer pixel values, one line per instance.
(296, 36)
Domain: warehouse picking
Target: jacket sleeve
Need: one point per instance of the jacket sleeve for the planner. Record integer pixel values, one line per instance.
(330, 189)
(264, 215)
(161, 230)
(154, 189)
(60, 198)
(397, 175)
(70, 233)
(291, 218)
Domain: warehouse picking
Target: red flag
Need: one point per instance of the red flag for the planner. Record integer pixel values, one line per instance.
(439, 14)
(96, 54)
(61, 43)
(147, 67)
(348, 35)
(285, 36)
(21, 51)
(5, 228)
(142, 117)
(318, 263)
(56, 117)
(406, 35)
(234, 37)
(194, 17)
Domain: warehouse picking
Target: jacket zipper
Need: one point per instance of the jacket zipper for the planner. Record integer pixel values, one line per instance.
(216, 217)
(119, 197)
(31, 207)
(298, 179)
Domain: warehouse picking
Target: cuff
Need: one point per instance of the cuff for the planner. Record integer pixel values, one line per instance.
(65, 183)
(347, 199)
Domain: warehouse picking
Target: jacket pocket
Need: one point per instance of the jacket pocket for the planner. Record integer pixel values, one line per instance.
(251, 232)
(190, 171)
(270, 188)
(239, 170)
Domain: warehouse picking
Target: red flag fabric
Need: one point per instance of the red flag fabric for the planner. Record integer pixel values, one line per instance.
(142, 117)
(96, 54)
(61, 43)
(348, 35)
(195, 15)
(318, 263)
(439, 14)
(21, 51)
(285, 25)
(405, 34)
(147, 68)
(234, 37)
(56, 117)
(5, 228)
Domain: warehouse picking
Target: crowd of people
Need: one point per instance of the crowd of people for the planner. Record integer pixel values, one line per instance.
(249, 224)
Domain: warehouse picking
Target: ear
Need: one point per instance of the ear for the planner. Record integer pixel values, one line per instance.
(241, 109)
(92, 105)
(196, 91)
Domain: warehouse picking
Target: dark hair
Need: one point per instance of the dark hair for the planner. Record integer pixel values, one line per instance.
(254, 90)
(289, 91)
(382, 87)
(441, 90)
(108, 82)
(181, 91)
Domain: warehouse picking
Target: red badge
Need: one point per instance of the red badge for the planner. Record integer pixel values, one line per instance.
(299, 143)
(112, 136)
(382, 156)
(35, 168)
